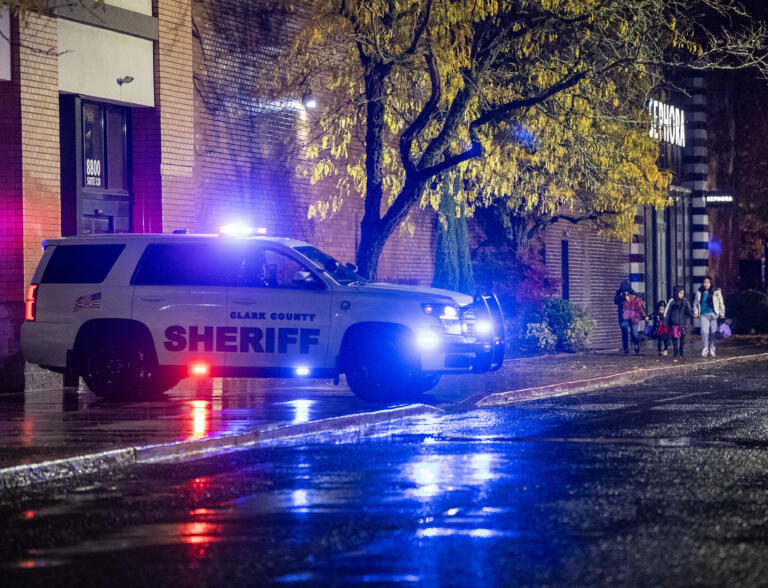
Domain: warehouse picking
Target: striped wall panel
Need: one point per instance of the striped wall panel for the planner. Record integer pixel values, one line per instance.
(696, 170)
(637, 255)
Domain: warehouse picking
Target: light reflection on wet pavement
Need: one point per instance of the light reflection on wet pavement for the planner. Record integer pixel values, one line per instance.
(49, 424)
(41, 425)
(549, 492)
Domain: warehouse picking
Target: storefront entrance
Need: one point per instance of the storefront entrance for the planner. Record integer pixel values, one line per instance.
(668, 247)
(94, 167)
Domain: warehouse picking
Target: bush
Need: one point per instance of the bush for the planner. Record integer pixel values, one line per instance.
(570, 323)
(578, 335)
(535, 320)
(519, 280)
(541, 337)
(554, 325)
(749, 311)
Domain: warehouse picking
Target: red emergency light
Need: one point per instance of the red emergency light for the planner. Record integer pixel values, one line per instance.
(199, 369)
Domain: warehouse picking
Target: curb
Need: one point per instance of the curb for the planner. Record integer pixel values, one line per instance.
(357, 425)
(610, 380)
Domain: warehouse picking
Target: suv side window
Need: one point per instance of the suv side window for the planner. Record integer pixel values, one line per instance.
(81, 264)
(267, 268)
(189, 264)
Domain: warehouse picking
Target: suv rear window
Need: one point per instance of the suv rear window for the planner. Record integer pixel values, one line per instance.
(189, 264)
(81, 264)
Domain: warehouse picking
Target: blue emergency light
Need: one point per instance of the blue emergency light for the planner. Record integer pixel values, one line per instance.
(238, 230)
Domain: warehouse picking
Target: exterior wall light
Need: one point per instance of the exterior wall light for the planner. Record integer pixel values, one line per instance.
(308, 100)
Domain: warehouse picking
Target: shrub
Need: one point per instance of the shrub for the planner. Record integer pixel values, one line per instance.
(535, 320)
(540, 336)
(570, 324)
(578, 335)
(749, 311)
(521, 283)
(521, 280)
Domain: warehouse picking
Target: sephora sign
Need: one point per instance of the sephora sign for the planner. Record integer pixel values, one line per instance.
(667, 123)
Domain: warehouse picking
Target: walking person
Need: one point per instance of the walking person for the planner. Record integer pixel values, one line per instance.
(631, 312)
(710, 306)
(660, 328)
(678, 312)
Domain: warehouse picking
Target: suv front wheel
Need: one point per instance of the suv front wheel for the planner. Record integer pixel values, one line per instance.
(378, 370)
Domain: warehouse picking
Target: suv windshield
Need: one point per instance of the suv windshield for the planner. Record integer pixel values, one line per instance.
(343, 275)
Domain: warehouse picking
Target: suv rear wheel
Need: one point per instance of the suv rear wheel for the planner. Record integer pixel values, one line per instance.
(117, 369)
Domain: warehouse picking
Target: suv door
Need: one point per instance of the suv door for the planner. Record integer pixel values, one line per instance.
(281, 311)
(181, 295)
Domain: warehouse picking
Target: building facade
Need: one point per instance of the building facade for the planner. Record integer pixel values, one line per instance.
(149, 116)
(155, 115)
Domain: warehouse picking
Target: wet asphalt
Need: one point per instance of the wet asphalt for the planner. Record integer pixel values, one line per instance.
(662, 483)
(48, 422)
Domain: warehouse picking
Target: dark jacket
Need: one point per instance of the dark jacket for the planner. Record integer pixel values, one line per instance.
(678, 310)
(621, 296)
(659, 320)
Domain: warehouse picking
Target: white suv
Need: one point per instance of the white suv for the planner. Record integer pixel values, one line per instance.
(134, 314)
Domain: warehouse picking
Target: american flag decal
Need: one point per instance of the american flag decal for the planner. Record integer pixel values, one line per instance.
(84, 302)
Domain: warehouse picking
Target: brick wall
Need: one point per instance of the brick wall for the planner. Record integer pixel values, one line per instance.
(596, 269)
(30, 209)
(242, 139)
(174, 102)
(39, 77)
(162, 138)
(146, 180)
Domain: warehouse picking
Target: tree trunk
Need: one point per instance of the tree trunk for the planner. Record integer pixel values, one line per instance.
(371, 245)
(375, 231)
(371, 238)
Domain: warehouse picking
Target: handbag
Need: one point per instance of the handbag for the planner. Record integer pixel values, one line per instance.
(648, 330)
(724, 330)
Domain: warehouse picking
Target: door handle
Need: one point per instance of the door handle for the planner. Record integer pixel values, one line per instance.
(152, 298)
(244, 301)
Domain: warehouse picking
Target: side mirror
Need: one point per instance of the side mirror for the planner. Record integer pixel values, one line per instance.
(331, 265)
(352, 267)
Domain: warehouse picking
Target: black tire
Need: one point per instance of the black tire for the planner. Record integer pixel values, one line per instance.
(161, 380)
(118, 368)
(421, 383)
(378, 370)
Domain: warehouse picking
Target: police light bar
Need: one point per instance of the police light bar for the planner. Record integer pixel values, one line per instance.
(238, 230)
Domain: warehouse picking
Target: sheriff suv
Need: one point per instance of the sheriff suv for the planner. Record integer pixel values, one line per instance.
(134, 314)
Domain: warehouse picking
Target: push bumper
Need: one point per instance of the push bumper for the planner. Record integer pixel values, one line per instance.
(471, 352)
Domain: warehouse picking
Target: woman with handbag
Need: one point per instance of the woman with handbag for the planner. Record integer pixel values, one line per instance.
(710, 307)
(632, 312)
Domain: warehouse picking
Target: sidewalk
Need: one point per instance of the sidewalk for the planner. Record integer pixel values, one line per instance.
(82, 433)
(552, 375)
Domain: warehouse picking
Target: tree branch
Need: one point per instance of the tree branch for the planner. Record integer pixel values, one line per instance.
(421, 121)
(571, 219)
(420, 28)
(475, 150)
(503, 110)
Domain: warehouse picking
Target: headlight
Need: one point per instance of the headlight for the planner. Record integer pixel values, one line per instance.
(447, 314)
(484, 327)
(427, 340)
